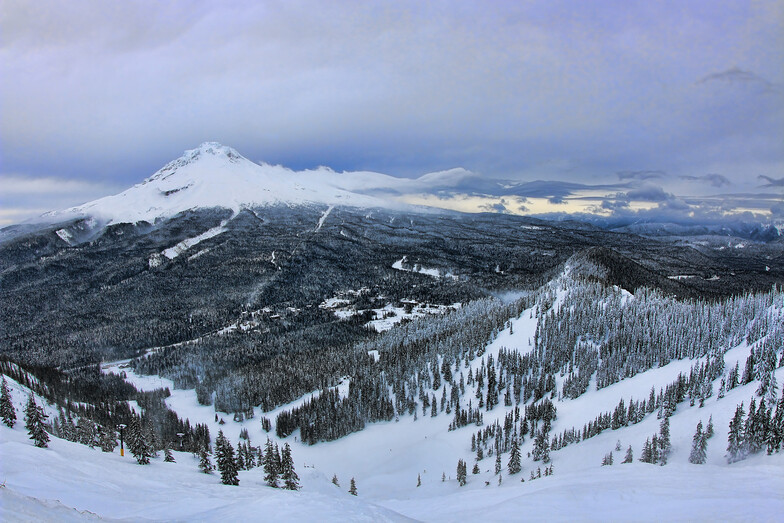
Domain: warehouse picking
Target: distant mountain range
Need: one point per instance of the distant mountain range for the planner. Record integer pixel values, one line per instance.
(217, 176)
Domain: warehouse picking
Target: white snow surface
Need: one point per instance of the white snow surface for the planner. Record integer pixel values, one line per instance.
(184, 245)
(214, 175)
(435, 273)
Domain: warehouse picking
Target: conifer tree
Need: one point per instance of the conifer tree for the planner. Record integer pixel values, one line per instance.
(709, 429)
(278, 460)
(698, 446)
(138, 444)
(775, 435)
(664, 440)
(497, 463)
(541, 449)
(271, 470)
(645, 456)
(735, 437)
(205, 464)
(168, 457)
(106, 439)
(419, 480)
(629, 455)
(288, 475)
(751, 428)
(461, 472)
(335, 480)
(352, 489)
(514, 458)
(225, 460)
(7, 410)
(475, 470)
(34, 423)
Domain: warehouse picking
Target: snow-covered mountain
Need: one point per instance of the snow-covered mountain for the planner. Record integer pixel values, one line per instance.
(214, 175)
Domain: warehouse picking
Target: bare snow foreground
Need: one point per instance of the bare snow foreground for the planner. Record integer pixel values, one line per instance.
(70, 482)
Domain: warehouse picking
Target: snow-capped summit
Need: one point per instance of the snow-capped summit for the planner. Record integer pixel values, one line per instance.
(214, 175)
(194, 155)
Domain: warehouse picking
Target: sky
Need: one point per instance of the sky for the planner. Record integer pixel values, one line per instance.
(626, 108)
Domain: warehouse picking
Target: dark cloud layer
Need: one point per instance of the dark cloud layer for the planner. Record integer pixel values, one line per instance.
(580, 92)
(772, 182)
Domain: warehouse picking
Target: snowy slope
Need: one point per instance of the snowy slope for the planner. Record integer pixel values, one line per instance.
(70, 482)
(214, 175)
(386, 458)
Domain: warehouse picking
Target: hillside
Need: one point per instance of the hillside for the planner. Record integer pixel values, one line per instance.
(387, 458)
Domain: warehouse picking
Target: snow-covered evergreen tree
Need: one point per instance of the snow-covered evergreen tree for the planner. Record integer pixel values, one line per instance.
(205, 463)
(629, 457)
(288, 475)
(461, 472)
(106, 439)
(664, 440)
(514, 458)
(352, 489)
(271, 469)
(34, 423)
(646, 455)
(7, 410)
(226, 461)
(735, 437)
(698, 446)
(138, 444)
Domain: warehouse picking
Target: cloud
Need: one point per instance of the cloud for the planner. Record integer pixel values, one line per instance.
(495, 207)
(772, 182)
(715, 180)
(648, 193)
(531, 92)
(614, 205)
(640, 175)
(736, 75)
(23, 197)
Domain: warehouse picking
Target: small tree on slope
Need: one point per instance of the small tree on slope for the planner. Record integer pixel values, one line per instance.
(461, 472)
(7, 410)
(34, 423)
(664, 440)
(352, 488)
(138, 444)
(288, 475)
(205, 464)
(629, 455)
(271, 471)
(698, 446)
(735, 439)
(227, 463)
(514, 458)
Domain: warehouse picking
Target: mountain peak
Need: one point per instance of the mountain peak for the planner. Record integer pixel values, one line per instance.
(215, 149)
(207, 150)
(214, 175)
